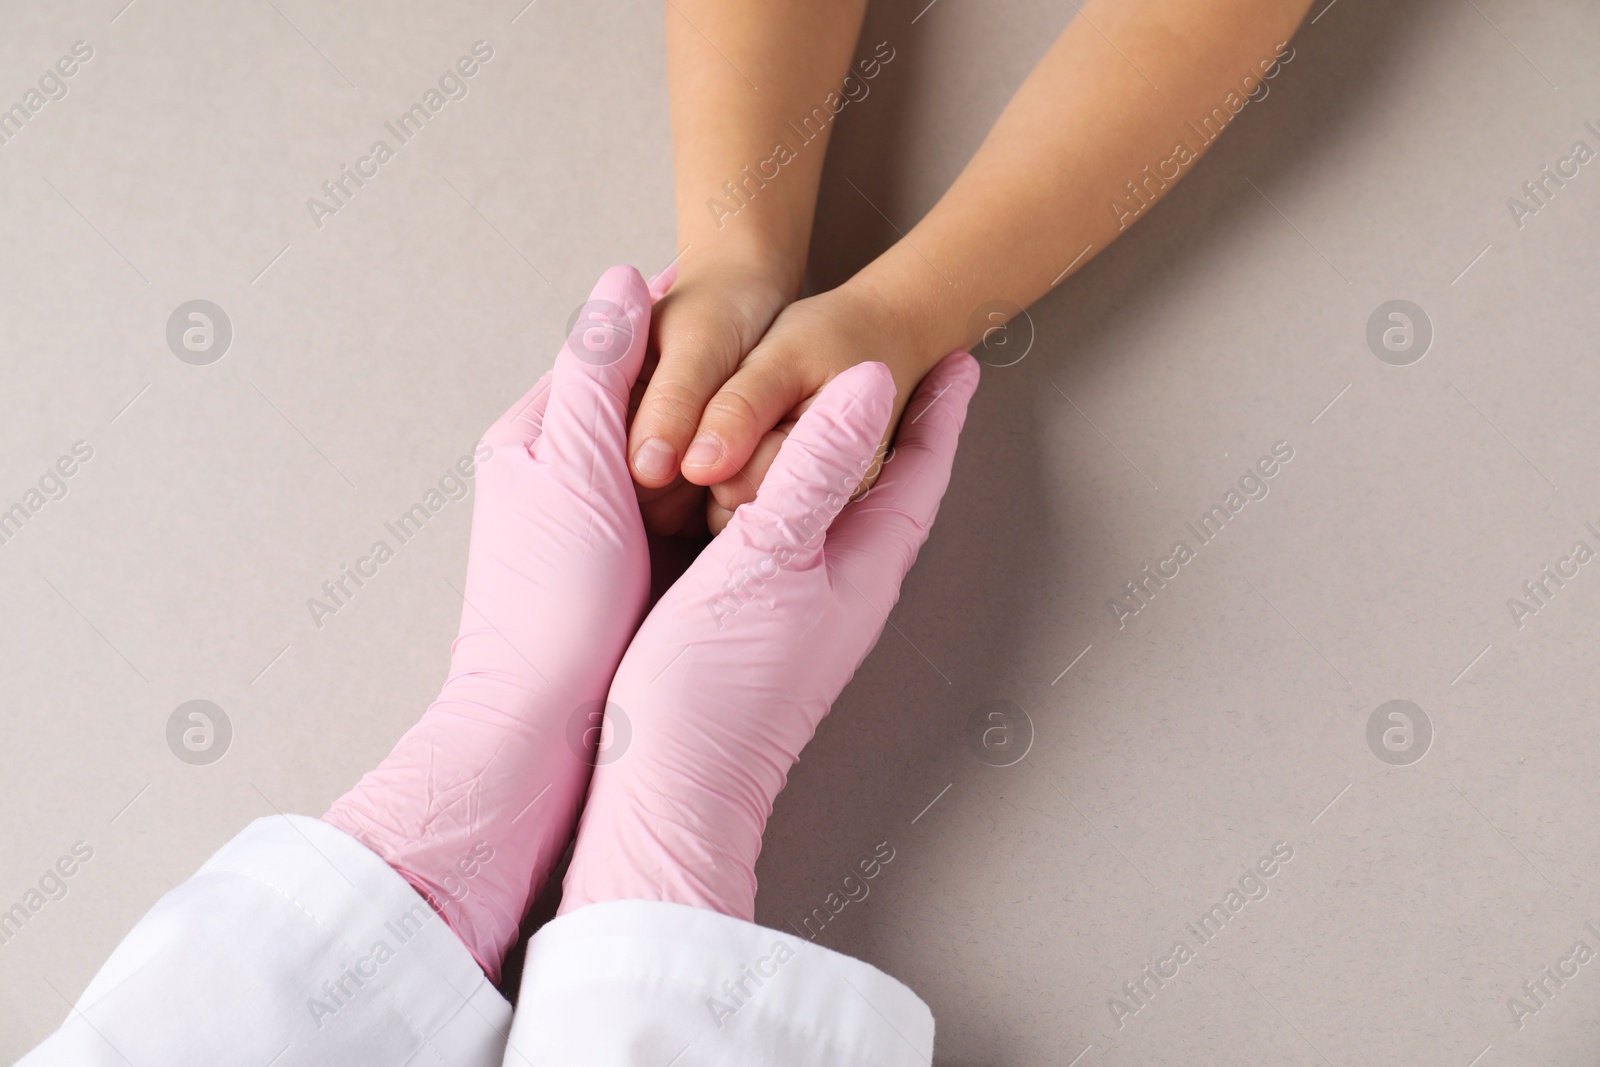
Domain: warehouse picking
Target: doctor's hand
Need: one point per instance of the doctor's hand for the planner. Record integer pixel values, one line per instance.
(557, 578)
(735, 666)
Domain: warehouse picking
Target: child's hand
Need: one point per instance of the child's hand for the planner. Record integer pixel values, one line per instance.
(734, 667)
(710, 318)
(811, 342)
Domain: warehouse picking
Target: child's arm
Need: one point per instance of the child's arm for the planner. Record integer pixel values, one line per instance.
(737, 73)
(1115, 95)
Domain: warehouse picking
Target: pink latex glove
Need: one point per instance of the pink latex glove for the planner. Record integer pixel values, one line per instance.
(476, 802)
(738, 662)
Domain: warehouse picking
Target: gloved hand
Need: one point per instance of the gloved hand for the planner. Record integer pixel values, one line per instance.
(476, 802)
(738, 662)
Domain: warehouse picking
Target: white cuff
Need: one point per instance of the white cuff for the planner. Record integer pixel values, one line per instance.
(646, 983)
(293, 945)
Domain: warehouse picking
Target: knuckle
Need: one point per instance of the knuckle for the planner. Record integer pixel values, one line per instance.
(732, 407)
(672, 405)
(701, 337)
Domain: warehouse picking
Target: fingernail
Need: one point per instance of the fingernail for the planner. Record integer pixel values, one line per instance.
(703, 452)
(655, 459)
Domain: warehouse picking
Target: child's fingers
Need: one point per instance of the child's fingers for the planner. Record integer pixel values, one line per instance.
(875, 541)
(728, 496)
(700, 346)
(823, 459)
(586, 413)
(754, 400)
(677, 509)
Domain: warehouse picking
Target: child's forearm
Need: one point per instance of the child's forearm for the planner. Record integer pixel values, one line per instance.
(738, 73)
(1116, 112)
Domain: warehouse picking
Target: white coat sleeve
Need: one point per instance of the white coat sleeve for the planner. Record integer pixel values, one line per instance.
(645, 984)
(293, 945)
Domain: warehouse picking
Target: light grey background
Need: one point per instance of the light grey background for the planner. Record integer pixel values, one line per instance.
(1228, 715)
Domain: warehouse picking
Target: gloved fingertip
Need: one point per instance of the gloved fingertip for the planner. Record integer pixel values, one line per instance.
(962, 368)
(949, 386)
(609, 330)
(849, 417)
(625, 286)
(870, 385)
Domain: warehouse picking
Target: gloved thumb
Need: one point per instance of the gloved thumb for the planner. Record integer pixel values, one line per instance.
(823, 459)
(588, 405)
(875, 541)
